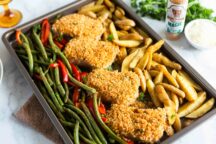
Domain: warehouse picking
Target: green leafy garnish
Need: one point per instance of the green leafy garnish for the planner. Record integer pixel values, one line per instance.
(156, 9)
(141, 97)
(110, 37)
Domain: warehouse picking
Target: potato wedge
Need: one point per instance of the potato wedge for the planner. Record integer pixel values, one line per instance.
(99, 2)
(88, 5)
(190, 92)
(127, 43)
(126, 62)
(94, 8)
(147, 75)
(174, 73)
(139, 72)
(141, 32)
(175, 100)
(109, 3)
(137, 58)
(181, 100)
(177, 124)
(122, 33)
(143, 61)
(113, 31)
(90, 14)
(167, 62)
(191, 106)
(154, 73)
(159, 78)
(171, 115)
(173, 89)
(169, 77)
(119, 13)
(192, 83)
(149, 63)
(150, 86)
(163, 96)
(132, 36)
(202, 109)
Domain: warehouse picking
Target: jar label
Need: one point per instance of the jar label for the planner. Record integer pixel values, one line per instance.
(175, 17)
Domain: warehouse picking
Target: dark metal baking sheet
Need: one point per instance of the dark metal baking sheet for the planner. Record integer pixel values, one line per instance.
(9, 41)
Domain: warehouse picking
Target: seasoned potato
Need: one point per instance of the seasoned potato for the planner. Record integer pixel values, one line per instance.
(139, 72)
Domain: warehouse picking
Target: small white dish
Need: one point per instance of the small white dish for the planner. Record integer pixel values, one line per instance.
(201, 33)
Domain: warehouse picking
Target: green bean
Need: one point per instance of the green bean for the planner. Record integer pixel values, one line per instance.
(35, 61)
(66, 92)
(85, 87)
(103, 125)
(40, 45)
(49, 89)
(75, 116)
(59, 99)
(20, 51)
(24, 38)
(66, 123)
(76, 133)
(58, 82)
(49, 101)
(49, 79)
(59, 53)
(87, 122)
(85, 140)
(93, 123)
(30, 57)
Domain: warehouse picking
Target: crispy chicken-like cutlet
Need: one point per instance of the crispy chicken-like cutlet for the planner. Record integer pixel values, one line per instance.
(115, 87)
(146, 125)
(78, 25)
(91, 53)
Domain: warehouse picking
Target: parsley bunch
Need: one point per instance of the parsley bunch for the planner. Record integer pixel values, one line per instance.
(156, 9)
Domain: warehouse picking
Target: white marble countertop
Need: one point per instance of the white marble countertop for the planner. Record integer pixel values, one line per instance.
(14, 90)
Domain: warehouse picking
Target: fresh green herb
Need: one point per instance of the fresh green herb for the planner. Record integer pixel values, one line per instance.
(109, 68)
(110, 37)
(141, 96)
(157, 9)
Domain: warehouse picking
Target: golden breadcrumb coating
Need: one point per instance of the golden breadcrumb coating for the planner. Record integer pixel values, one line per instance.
(78, 25)
(115, 87)
(146, 125)
(91, 53)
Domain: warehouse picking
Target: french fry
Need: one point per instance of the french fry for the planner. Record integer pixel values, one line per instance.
(177, 124)
(143, 61)
(158, 78)
(125, 24)
(173, 89)
(105, 35)
(163, 96)
(122, 33)
(139, 72)
(191, 106)
(119, 13)
(169, 77)
(174, 73)
(164, 60)
(202, 109)
(190, 92)
(141, 32)
(127, 43)
(88, 5)
(147, 75)
(175, 100)
(154, 73)
(94, 8)
(150, 86)
(148, 42)
(192, 83)
(181, 100)
(104, 15)
(171, 115)
(109, 3)
(127, 60)
(113, 31)
(122, 54)
(154, 64)
(132, 36)
(149, 63)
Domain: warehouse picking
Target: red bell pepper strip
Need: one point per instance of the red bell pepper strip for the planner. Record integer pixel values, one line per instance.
(104, 119)
(53, 65)
(58, 44)
(72, 84)
(63, 70)
(90, 105)
(76, 72)
(102, 109)
(130, 142)
(64, 42)
(83, 76)
(45, 31)
(18, 33)
(76, 95)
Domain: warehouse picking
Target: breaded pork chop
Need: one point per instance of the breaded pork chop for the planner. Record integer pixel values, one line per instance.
(91, 53)
(146, 125)
(77, 25)
(115, 87)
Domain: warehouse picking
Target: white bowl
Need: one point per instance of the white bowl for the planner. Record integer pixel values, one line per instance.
(190, 26)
